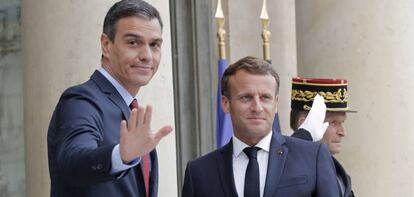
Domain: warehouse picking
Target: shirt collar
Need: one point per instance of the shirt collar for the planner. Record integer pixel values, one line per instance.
(238, 145)
(126, 96)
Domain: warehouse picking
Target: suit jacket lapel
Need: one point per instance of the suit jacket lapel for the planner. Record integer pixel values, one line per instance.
(277, 157)
(154, 174)
(225, 168)
(107, 88)
(340, 171)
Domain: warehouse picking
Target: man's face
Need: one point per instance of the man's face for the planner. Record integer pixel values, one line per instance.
(134, 55)
(252, 105)
(335, 131)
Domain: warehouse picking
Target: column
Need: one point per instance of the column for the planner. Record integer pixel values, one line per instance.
(370, 43)
(12, 164)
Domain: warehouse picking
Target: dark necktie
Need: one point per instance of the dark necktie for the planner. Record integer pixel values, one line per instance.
(251, 180)
(145, 162)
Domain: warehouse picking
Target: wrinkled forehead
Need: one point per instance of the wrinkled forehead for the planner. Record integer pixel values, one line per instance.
(336, 115)
(248, 82)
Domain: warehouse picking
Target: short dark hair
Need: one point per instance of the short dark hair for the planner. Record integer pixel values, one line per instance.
(294, 118)
(252, 65)
(127, 8)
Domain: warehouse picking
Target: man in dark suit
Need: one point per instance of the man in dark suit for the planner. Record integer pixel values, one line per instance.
(258, 162)
(324, 121)
(97, 145)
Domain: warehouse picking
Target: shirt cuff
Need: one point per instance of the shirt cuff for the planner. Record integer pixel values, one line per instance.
(118, 165)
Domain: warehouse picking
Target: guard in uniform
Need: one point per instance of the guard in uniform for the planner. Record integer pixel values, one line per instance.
(319, 108)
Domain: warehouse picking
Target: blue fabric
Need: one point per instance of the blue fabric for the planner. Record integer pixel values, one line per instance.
(224, 126)
(340, 171)
(276, 124)
(82, 134)
(117, 164)
(296, 168)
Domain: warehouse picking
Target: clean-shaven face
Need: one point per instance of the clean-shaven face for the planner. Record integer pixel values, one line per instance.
(252, 105)
(335, 132)
(135, 53)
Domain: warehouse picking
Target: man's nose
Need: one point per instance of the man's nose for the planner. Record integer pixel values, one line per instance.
(257, 105)
(341, 130)
(145, 54)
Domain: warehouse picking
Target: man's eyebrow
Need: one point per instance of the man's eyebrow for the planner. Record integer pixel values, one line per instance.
(244, 94)
(158, 40)
(136, 36)
(131, 35)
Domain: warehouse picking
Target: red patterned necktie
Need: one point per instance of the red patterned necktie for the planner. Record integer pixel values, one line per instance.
(145, 160)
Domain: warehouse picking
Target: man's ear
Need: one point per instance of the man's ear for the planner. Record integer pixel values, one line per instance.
(225, 104)
(106, 44)
(277, 98)
(276, 103)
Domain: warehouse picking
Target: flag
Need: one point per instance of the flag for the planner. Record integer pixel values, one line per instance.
(224, 126)
(276, 125)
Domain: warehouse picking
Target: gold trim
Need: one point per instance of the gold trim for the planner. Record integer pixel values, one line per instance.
(307, 108)
(338, 109)
(319, 84)
(340, 96)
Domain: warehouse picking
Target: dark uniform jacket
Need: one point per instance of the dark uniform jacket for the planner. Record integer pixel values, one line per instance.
(340, 171)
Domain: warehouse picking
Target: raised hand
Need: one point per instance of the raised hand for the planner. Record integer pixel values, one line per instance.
(314, 122)
(136, 138)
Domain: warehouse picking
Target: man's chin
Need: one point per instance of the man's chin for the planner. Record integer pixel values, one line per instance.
(142, 81)
(260, 130)
(336, 150)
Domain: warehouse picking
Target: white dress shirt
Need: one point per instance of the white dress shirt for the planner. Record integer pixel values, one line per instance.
(240, 161)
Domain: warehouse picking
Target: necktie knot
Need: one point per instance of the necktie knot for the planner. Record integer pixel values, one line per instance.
(134, 104)
(251, 152)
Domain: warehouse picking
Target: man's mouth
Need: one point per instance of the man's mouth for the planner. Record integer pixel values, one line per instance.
(142, 68)
(256, 118)
(136, 66)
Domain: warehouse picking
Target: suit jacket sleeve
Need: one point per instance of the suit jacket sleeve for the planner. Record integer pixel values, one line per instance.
(326, 175)
(188, 184)
(82, 157)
